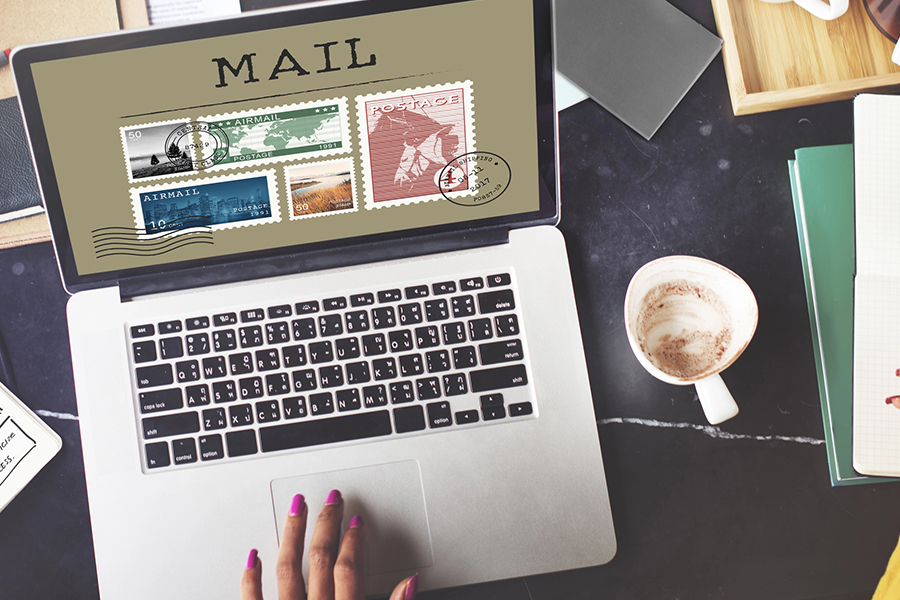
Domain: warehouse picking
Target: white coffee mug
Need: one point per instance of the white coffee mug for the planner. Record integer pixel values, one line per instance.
(687, 319)
(823, 10)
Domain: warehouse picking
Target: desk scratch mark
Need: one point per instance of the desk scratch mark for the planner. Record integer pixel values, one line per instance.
(56, 415)
(645, 224)
(711, 431)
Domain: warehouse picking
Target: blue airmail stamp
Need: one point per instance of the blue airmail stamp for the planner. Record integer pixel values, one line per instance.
(216, 203)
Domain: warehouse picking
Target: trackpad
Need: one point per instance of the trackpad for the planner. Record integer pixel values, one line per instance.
(390, 499)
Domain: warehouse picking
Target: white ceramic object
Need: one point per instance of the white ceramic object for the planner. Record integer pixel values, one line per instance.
(687, 319)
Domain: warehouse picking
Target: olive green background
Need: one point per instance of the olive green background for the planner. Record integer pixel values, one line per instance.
(85, 100)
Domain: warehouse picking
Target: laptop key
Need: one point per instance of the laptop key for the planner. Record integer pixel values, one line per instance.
(499, 280)
(241, 443)
(197, 343)
(343, 428)
(362, 299)
(418, 291)
(498, 378)
(168, 425)
(390, 296)
(160, 400)
(157, 455)
(214, 367)
(472, 283)
(211, 447)
(500, 300)
(144, 352)
(224, 340)
(308, 307)
(409, 418)
(254, 314)
(225, 319)
(464, 417)
(154, 376)
(444, 287)
(169, 327)
(279, 312)
(500, 352)
(171, 348)
(197, 323)
(214, 418)
(139, 331)
(184, 451)
(439, 415)
(519, 409)
(507, 325)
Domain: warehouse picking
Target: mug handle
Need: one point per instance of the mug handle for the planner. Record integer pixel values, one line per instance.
(824, 10)
(717, 402)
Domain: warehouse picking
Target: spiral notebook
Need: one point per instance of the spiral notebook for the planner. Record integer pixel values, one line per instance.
(876, 313)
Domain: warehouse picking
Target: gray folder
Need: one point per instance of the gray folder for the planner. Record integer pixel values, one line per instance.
(636, 58)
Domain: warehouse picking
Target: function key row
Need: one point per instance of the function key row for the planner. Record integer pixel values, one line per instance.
(313, 306)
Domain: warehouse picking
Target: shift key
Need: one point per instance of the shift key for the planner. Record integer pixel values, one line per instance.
(164, 426)
(499, 378)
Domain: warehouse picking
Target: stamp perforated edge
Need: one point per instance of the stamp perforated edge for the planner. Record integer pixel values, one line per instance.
(274, 203)
(290, 201)
(343, 112)
(175, 123)
(469, 120)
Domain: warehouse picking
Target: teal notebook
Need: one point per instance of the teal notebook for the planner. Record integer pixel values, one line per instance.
(822, 189)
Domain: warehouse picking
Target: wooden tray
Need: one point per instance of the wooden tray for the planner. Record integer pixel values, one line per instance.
(780, 56)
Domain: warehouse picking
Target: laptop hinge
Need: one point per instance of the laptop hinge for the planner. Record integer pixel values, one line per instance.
(315, 260)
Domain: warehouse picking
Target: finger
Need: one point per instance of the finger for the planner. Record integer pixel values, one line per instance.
(251, 581)
(323, 548)
(289, 567)
(406, 589)
(349, 570)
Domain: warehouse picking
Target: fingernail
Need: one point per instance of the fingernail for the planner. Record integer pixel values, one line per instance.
(297, 505)
(356, 521)
(334, 497)
(412, 587)
(251, 560)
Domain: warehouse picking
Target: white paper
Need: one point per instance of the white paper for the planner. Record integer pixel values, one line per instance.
(167, 12)
(26, 445)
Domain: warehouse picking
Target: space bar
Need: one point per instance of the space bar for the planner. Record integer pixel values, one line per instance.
(325, 431)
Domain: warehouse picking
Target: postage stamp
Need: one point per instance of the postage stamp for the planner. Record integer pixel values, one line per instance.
(408, 136)
(215, 203)
(264, 136)
(151, 153)
(320, 188)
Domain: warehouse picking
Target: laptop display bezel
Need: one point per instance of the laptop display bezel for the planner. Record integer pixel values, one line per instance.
(289, 259)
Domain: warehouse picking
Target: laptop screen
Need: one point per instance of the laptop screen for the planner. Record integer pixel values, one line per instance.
(281, 132)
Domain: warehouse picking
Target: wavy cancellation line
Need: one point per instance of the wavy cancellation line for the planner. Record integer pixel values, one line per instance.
(129, 241)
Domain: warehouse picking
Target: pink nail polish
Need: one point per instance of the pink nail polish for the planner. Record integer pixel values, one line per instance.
(334, 497)
(251, 560)
(297, 505)
(412, 587)
(356, 521)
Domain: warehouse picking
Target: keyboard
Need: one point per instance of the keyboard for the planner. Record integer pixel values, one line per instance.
(298, 373)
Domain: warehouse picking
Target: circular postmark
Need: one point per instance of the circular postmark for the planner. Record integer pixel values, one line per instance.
(474, 178)
(204, 144)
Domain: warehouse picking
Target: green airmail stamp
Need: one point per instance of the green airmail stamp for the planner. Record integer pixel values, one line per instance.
(262, 136)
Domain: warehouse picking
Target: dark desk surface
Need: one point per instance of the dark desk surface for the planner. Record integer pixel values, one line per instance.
(697, 515)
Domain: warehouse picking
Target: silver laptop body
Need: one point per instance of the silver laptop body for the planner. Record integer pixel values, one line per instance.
(414, 343)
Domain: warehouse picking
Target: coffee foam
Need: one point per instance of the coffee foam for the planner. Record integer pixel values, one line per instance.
(683, 328)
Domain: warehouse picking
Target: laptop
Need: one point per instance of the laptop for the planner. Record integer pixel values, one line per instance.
(310, 249)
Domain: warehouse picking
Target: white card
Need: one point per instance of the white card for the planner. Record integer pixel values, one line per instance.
(26, 445)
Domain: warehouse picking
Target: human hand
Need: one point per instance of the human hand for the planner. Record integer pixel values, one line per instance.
(335, 565)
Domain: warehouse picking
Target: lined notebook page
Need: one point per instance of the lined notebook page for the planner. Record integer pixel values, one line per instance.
(876, 310)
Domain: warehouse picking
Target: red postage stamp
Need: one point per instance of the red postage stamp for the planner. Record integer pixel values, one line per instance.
(408, 137)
